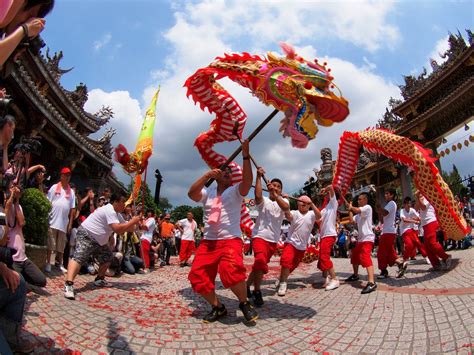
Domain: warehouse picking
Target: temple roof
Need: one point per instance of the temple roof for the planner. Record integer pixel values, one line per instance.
(458, 54)
(34, 93)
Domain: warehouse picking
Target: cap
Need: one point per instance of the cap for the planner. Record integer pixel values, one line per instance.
(65, 171)
(304, 199)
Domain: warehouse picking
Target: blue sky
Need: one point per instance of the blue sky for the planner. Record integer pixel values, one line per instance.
(123, 49)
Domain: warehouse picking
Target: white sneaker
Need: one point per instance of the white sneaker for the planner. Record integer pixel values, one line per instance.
(47, 268)
(277, 283)
(282, 289)
(63, 269)
(332, 285)
(69, 292)
(428, 261)
(101, 283)
(327, 280)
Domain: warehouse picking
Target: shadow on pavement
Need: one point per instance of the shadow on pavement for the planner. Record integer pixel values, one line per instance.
(425, 275)
(273, 308)
(45, 345)
(116, 341)
(124, 286)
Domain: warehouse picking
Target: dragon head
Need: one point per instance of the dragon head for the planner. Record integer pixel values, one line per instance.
(303, 90)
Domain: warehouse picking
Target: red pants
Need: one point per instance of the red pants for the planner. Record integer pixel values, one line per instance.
(434, 250)
(411, 243)
(187, 249)
(324, 262)
(361, 254)
(386, 254)
(212, 256)
(263, 251)
(291, 257)
(146, 252)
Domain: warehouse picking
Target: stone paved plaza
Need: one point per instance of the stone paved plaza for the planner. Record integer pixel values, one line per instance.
(425, 312)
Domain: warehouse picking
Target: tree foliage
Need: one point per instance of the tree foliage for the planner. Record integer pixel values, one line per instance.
(36, 209)
(164, 205)
(148, 198)
(454, 181)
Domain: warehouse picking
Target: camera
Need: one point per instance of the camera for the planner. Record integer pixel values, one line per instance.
(6, 256)
(5, 103)
(29, 145)
(34, 45)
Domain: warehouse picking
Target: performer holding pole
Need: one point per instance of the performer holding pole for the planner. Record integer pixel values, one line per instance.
(302, 222)
(266, 232)
(438, 257)
(328, 234)
(221, 247)
(386, 254)
(365, 241)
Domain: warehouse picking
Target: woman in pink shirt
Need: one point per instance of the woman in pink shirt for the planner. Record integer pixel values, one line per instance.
(15, 222)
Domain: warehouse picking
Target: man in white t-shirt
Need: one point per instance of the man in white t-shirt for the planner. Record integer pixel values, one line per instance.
(438, 257)
(361, 254)
(63, 202)
(92, 239)
(148, 227)
(301, 223)
(328, 236)
(220, 249)
(386, 254)
(187, 226)
(266, 233)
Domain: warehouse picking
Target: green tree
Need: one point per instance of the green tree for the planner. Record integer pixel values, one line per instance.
(454, 181)
(148, 198)
(164, 205)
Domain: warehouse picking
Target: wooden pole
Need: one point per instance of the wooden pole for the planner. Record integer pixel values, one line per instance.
(239, 149)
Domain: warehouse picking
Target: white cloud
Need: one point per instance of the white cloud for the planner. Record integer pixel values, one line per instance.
(127, 119)
(365, 24)
(102, 42)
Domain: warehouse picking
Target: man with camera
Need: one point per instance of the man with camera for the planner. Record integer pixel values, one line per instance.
(20, 26)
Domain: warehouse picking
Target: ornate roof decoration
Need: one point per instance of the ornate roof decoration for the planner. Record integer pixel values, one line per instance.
(91, 123)
(390, 120)
(53, 65)
(80, 95)
(104, 144)
(104, 115)
(366, 159)
(457, 46)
